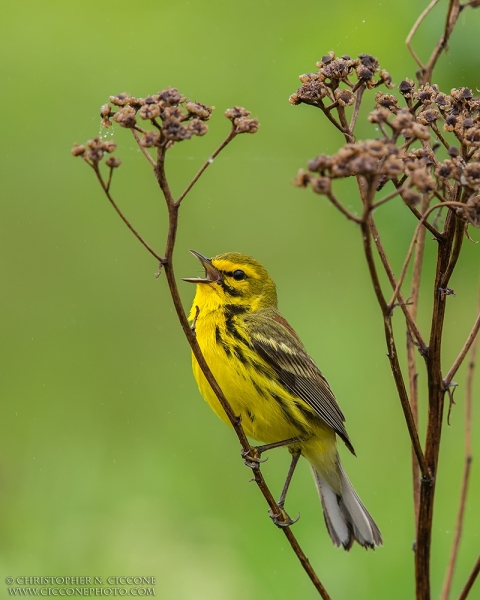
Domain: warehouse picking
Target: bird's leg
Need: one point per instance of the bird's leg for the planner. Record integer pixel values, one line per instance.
(252, 458)
(282, 519)
(286, 485)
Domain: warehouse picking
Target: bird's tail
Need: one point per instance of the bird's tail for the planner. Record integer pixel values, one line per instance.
(346, 517)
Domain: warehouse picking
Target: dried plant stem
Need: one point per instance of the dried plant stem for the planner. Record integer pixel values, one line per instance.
(471, 580)
(333, 199)
(466, 470)
(463, 352)
(411, 351)
(452, 16)
(209, 161)
(425, 74)
(445, 263)
(411, 324)
(416, 25)
(106, 189)
(143, 149)
(389, 338)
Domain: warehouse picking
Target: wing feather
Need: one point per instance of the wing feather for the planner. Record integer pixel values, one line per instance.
(295, 369)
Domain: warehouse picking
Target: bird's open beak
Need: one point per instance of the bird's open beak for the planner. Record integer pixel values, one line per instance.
(212, 275)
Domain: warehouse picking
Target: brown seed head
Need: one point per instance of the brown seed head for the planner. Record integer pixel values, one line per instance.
(407, 88)
(302, 179)
(245, 125)
(136, 102)
(472, 211)
(448, 170)
(120, 99)
(149, 111)
(410, 197)
(402, 120)
(174, 130)
(150, 139)
(344, 97)
(321, 185)
(125, 117)
(170, 97)
(471, 175)
(78, 150)
(320, 163)
(386, 79)
(385, 101)
(105, 110)
(423, 181)
(420, 131)
(442, 101)
(109, 146)
(236, 112)
(197, 127)
(311, 92)
(113, 162)
(380, 115)
(201, 111)
(426, 93)
(428, 116)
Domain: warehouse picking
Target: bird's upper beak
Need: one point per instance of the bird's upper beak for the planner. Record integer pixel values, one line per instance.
(212, 275)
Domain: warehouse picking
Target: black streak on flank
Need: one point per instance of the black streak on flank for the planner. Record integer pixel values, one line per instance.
(286, 411)
(240, 355)
(260, 391)
(263, 370)
(251, 416)
(232, 330)
(220, 340)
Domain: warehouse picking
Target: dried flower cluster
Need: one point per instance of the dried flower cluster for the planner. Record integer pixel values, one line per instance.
(174, 118)
(404, 154)
(333, 71)
(95, 150)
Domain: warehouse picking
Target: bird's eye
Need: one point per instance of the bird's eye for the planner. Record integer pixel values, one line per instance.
(238, 275)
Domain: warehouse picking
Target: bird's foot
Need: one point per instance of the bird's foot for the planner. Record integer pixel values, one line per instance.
(281, 519)
(252, 458)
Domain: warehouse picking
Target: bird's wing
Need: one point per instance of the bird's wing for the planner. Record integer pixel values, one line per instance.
(278, 344)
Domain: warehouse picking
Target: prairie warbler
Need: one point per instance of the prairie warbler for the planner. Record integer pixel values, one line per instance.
(270, 381)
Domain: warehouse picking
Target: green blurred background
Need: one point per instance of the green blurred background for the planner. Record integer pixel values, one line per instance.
(111, 463)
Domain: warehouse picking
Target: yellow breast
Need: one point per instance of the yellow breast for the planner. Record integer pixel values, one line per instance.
(269, 413)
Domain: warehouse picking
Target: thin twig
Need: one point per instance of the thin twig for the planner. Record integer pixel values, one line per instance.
(411, 353)
(389, 337)
(333, 199)
(358, 101)
(452, 16)
(414, 30)
(389, 196)
(143, 149)
(209, 161)
(439, 135)
(466, 470)
(463, 352)
(120, 213)
(411, 324)
(409, 253)
(470, 581)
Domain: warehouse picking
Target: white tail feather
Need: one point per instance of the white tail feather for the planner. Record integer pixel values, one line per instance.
(346, 517)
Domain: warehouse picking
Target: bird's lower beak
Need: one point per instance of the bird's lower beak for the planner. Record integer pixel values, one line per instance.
(212, 275)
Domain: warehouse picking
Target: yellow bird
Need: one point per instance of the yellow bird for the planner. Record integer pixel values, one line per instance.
(269, 379)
